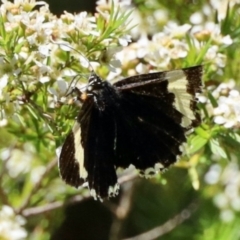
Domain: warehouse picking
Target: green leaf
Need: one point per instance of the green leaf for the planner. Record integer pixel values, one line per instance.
(217, 149)
(194, 177)
(2, 28)
(31, 110)
(212, 99)
(202, 53)
(197, 143)
(203, 133)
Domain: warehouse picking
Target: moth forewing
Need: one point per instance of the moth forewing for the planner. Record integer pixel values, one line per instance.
(69, 167)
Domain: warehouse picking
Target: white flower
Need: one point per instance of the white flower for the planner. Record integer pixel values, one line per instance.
(44, 79)
(11, 225)
(19, 162)
(227, 215)
(44, 50)
(81, 21)
(179, 50)
(219, 120)
(176, 31)
(213, 175)
(227, 113)
(124, 40)
(196, 18)
(214, 56)
(221, 200)
(141, 68)
(42, 68)
(3, 122)
(84, 61)
(58, 93)
(161, 16)
(227, 40)
(3, 81)
(236, 204)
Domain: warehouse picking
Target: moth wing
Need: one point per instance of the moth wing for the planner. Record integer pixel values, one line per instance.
(151, 122)
(71, 160)
(182, 84)
(146, 136)
(99, 155)
(70, 165)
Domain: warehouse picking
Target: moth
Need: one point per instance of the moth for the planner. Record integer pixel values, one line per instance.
(140, 120)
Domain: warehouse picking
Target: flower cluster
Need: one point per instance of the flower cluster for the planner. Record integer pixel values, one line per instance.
(227, 111)
(226, 199)
(11, 225)
(200, 41)
(48, 51)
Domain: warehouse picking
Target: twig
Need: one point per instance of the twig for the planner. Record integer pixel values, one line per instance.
(128, 177)
(167, 226)
(3, 195)
(121, 211)
(59, 204)
(51, 206)
(49, 167)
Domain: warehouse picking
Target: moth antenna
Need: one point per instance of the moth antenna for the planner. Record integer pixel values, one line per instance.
(70, 47)
(74, 88)
(64, 44)
(69, 86)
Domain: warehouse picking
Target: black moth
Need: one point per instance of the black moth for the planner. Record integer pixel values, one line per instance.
(140, 120)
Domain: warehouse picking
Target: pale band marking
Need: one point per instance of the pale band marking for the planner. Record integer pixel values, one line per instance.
(178, 86)
(79, 153)
(153, 170)
(113, 190)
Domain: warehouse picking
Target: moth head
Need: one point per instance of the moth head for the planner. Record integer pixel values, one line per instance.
(94, 83)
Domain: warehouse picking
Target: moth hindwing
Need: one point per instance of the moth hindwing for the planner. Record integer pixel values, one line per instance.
(140, 120)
